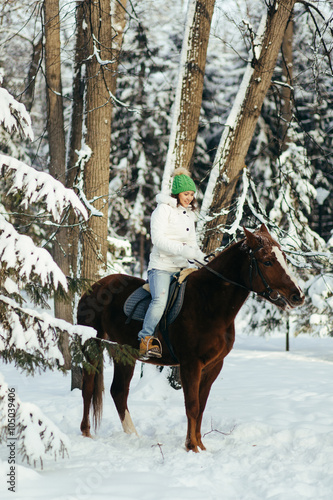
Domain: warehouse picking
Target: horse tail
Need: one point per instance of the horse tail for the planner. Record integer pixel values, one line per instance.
(97, 399)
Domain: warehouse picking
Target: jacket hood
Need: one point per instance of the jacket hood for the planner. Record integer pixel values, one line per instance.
(167, 199)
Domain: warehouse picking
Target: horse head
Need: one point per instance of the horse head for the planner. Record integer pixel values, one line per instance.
(270, 276)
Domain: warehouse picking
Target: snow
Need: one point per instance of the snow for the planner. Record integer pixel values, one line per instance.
(40, 187)
(13, 115)
(267, 425)
(240, 205)
(268, 422)
(322, 194)
(19, 252)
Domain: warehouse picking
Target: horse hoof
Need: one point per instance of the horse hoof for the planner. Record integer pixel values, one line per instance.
(192, 448)
(86, 434)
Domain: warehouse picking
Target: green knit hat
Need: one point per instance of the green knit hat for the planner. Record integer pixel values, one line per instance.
(182, 182)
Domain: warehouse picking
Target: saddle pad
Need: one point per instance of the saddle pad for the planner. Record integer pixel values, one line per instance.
(138, 302)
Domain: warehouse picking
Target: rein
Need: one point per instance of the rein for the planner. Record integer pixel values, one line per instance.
(268, 293)
(219, 275)
(253, 266)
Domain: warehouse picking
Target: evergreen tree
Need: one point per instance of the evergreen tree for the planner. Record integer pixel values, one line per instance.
(288, 183)
(28, 338)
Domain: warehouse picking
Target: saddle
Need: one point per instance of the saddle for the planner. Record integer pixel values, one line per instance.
(138, 302)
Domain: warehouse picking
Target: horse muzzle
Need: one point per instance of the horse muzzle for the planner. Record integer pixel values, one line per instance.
(297, 299)
(294, 299)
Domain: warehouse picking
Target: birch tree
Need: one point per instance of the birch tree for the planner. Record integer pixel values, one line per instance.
(286, 91)
(230, 157)
(187, 105)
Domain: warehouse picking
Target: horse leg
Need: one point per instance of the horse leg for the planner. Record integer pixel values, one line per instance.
(88, 383)
(119, 390)
(208, 376)
(190, 377)
(92, 391)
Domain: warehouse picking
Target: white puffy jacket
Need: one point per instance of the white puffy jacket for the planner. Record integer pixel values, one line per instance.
(173, 236)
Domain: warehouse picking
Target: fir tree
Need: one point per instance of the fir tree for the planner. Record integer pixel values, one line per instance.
(28, 338)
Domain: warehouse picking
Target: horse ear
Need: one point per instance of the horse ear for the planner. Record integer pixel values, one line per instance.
(263, 228)
(250, 238)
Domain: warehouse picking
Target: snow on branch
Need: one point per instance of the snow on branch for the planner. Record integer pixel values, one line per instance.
(84, 155)
(35, 434)
(31, 339)
(14, 116)
(26, 332)
(19, 253)
(40, 187)
(36, 333)
(97, 53)
(240, 205)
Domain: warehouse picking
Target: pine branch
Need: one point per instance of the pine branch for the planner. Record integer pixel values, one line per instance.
(39, 187)
(14, 116)
(21, 258)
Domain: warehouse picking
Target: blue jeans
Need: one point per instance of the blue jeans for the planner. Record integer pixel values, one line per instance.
(159, 282)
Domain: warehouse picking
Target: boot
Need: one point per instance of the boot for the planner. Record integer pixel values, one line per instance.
(150, 347)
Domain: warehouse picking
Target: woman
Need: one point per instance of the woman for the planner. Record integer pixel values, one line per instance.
(174, 244)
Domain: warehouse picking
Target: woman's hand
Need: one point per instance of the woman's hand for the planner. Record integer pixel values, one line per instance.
(191, 253)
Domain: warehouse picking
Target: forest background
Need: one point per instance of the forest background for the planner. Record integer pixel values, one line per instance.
(115, 101)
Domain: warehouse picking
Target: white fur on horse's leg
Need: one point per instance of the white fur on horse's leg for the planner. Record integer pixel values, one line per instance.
(128, 425)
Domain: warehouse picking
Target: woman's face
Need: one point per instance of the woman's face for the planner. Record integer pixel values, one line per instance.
(185, 198)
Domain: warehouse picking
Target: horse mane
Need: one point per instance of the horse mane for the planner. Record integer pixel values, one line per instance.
(226, 250)
(262, 239)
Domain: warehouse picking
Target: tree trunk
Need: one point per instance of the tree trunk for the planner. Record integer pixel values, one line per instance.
(187, 105)
(98, 134)
(76, 125)
(118, 17)
(236, 138)
(32, 74)
(73, 169)
(101, 80)
(57, 152)
(118, 10)
(75, 135)
(287, 94)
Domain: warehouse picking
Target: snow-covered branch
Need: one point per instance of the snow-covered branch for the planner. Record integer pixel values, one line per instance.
(40, 187)
(84, 155)
(36, 332)
(19, 254)
(240, 205)
(14, 116)
(35, 434)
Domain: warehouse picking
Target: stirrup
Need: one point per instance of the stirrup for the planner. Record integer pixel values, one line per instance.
(150, 347)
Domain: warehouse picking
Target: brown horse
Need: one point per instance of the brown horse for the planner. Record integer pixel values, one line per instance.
(203, 333)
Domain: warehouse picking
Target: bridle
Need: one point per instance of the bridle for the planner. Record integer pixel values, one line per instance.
(269, 293)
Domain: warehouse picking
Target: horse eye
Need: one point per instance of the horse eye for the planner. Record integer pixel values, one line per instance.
(267, 263)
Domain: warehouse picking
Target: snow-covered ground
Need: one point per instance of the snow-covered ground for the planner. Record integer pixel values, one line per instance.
(268, 426)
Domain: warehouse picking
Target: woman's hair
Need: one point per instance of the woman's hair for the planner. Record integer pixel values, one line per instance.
(193, 204)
